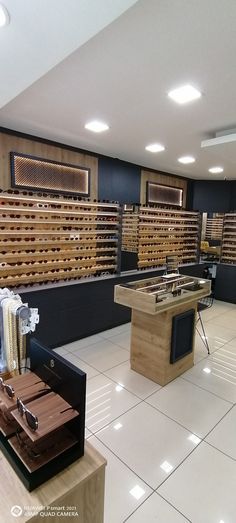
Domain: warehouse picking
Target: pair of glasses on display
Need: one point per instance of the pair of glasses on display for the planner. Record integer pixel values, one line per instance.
(32, 420)
(5, 387)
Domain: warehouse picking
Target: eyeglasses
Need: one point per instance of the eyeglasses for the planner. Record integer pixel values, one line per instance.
(31, 419)
(29, 450)
(8, 388)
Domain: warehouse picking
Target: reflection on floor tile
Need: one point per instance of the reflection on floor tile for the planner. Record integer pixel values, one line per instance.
(132, 381)
(202, 410)
(87, 434)
(219, 333)
(151, 444)
(203, 487)
(103, 355)
(106, 401)
(223, 435)
(215, 374)
(156, 510)
(124, 491)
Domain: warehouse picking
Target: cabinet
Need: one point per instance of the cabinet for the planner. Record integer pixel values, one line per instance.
(164, 232)
(47, 238)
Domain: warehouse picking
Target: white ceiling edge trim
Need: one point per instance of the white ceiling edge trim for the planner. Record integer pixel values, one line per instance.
(220, 140)
(42, 34)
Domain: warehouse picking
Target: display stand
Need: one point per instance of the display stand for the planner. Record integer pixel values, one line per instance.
(79, 488)
(53, 393)
(163, 324)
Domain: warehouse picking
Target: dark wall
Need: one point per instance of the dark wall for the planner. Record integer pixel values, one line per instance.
(118, 180)
(213, 196)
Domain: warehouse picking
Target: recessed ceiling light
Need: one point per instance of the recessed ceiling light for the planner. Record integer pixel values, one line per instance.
(184, 94)
(4, 16)
(186, 159)
(155, 148)
(215, 170)
(96, 126)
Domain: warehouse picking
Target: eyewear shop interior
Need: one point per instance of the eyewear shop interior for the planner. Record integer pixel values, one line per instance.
(118, 262)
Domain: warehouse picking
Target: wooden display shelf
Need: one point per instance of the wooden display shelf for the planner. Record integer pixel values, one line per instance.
(51, 276)
(58, 263)
(25, 386)
(58, 212)
(52, 412)
(36, 455)
(62, 254)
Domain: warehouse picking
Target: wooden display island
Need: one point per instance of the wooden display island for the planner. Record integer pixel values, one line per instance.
(163, 323)
(78, 489)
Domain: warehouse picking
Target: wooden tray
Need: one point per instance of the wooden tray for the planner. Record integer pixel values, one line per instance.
(26, 387)
(55, 444)
(48, 410)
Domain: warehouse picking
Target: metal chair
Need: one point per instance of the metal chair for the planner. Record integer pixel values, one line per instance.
(204, 303)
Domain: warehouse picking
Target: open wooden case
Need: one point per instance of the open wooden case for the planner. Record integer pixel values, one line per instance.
(54, 391)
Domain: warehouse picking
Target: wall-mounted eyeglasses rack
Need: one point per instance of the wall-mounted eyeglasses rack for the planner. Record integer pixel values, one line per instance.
(164, 232)
(47, 238)
(130, 220)
(214, 227)
(228, 249)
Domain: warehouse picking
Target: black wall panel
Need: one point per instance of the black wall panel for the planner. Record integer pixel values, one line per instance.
(118, 180)
(212, 196)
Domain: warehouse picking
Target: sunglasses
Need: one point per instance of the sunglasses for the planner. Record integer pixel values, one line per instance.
(31, 419)
(8, 388)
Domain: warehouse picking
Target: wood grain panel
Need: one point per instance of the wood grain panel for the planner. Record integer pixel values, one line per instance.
(165, 179)
(151, 345)
(17, 144)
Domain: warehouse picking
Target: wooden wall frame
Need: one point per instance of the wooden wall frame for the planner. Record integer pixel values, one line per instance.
(164, 179)
(34, 173)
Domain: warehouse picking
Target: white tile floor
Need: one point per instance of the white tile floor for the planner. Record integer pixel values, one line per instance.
(171, 450)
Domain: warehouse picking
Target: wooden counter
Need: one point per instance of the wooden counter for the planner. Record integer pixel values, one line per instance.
(79, 488)
(157, 303)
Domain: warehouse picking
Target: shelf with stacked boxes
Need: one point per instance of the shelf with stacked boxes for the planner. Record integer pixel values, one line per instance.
(44, 238)
(164, 232)
(228, 249)
(130, 220)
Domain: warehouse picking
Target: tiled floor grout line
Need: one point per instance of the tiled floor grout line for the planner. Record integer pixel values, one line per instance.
(123, 463)
(137, 508)
(114, 419)
(206, 390)
(219, 450)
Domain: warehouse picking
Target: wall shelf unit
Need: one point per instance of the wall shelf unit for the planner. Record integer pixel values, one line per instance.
(164, 232)
(130, 220)
(47, 238)
(228, 250)
(214, 227)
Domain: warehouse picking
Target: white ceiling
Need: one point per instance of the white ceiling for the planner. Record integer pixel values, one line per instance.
(122, 75)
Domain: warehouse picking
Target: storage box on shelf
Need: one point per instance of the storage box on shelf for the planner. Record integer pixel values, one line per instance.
(164, 232)
(45, 238)
(130, 219)
(228, 250)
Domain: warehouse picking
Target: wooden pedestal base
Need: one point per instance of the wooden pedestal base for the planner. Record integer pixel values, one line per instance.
(151, 345)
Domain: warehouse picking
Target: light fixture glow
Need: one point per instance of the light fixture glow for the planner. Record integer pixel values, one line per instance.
(155, 148)
(194, 439)
(215, 170)
(4, 16)
(96, 126)
(207, 370)
(166, 466)
(184, 94)
(202, 281)
(137, 492)
(118, 426)
(186, 159)
(119, 388)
